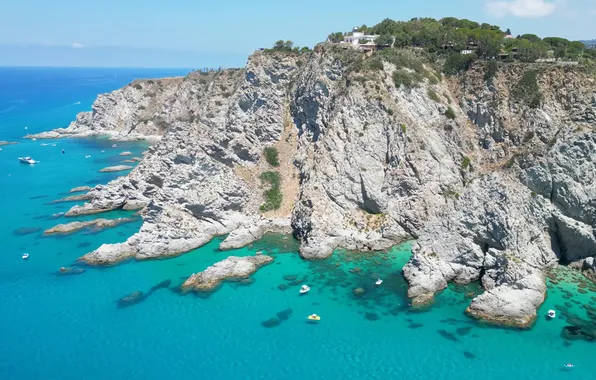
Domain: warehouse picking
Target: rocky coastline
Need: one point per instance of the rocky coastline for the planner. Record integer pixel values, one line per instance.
(493, 189)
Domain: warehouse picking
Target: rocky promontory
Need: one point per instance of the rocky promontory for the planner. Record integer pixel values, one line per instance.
(496, 185)
(116, 168)
(231, 268)
(96, 223)
(2, 143)
(80, 189)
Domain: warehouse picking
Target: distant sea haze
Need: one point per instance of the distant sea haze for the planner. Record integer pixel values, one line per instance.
(67, 56)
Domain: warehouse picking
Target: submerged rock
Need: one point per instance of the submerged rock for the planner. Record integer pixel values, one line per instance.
(231, 268)
(70, 271)
(272, 322)
(116, 168)
(126, 153)
(2, 143)
(131, 299)
(25, 231)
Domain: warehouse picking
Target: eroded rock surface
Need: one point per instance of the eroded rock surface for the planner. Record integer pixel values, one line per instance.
(497, 194)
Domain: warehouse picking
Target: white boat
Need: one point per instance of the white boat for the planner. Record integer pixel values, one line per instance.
(53, 144)
(114, 146)
(34, 139)
(88, 156)
(25, 256)
(551, 314)
(304, 289)
(103, 151)
(379, 282)
(569, 365)
(25, 127)
(44, 144)
(27, 160)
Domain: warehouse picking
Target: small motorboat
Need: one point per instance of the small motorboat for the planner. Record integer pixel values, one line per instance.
(25, 256)
(27, 160)
(44, 144)
(304, 289)
(103, 151)
(53, 144)
(569, 365)
(314, 317)
(379, 282)
(26, 128)
(88, 156)
(114, 146)
(34, 139)
(551, 314)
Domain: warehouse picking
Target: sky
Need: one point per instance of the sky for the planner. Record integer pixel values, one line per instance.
(197, 34)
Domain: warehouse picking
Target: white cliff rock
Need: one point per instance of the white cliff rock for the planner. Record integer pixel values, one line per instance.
(116, 168)
(514, 304)
(498, 194)
(231, 268)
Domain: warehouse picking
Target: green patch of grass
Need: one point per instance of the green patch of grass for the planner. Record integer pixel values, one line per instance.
(403, 128)
(450, 113)
(405, 78)
(465, 162)
(299, 63)
(272, 156)
(273, 196)
(433, 95)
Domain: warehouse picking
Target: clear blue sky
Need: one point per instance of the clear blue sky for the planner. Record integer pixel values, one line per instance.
(196, 33)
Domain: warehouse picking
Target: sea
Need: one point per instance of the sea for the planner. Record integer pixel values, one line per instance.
(76, 326)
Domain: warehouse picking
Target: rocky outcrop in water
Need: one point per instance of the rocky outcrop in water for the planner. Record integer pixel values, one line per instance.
(231, 268)
(117, 168)
(97, 224)
(494, 190)
(2, 143)
(80, 189)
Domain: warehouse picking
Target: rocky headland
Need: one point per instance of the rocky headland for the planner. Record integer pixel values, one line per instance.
(232, 268)
(495, 184)
(2, 143)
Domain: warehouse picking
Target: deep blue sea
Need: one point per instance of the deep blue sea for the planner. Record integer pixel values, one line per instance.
(70, 327)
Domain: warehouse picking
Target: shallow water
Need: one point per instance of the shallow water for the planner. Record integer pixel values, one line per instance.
(71, 327)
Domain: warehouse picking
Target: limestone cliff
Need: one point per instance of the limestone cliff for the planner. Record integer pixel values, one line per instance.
(492, 174)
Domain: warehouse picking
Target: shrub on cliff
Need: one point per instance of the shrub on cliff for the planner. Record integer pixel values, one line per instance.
(272, 156)
(457, 62)
(273, 196)
(450, 113)
(527, 90)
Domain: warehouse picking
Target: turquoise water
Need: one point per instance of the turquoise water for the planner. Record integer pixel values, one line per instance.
(70, 327)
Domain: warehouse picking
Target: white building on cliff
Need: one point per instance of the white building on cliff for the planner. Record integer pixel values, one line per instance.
(357, 38)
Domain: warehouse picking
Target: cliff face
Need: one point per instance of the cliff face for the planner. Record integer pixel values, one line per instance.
(498, 192)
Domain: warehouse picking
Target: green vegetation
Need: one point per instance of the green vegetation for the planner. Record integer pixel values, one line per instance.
(433, 95)
(405, 78)
(299, 63)
(457, 62)
(527, 91)
(450, 113)
(287, 47)
(443, 41)
(403, 128)
(491, 71)
(273, 195)
(465, 162)
(272, 156)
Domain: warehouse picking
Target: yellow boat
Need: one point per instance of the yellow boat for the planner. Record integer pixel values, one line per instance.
(314, 317)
